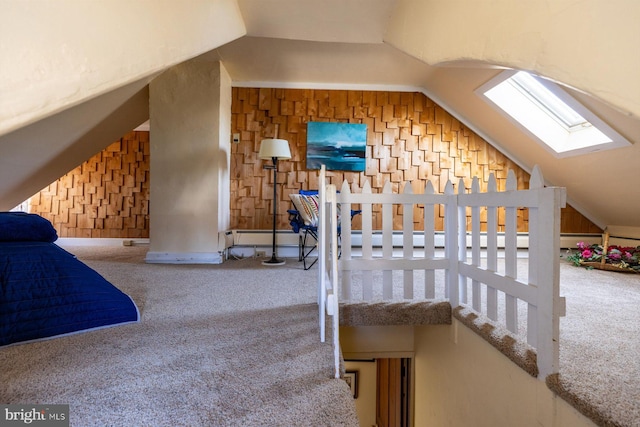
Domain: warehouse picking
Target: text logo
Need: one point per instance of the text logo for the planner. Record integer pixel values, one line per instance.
(34, 415)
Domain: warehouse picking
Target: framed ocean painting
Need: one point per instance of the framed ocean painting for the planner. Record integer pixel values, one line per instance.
(338, 146)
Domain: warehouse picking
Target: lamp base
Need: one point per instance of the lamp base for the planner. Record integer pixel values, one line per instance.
(273, 261)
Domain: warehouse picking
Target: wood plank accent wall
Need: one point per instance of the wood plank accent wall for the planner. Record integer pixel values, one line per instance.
(409, 138)
(107, 196)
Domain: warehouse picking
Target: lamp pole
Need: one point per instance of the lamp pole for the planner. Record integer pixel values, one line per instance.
(274, 260)
(274, 149)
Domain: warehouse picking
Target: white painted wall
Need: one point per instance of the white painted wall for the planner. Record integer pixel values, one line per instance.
(461, 380)
(56, 54)
(370, 342)
(190, 146)
(367, 383)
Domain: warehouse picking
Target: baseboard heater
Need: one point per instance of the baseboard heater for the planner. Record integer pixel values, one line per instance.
(262, 238)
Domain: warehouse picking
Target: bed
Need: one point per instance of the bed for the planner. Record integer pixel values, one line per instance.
(46, 291)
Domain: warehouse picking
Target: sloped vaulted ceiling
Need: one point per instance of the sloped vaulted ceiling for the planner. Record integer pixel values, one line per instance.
(585, 46)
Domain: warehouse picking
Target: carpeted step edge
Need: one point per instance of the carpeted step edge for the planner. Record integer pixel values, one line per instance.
(384, 313)
(556, 385)
(516, 350)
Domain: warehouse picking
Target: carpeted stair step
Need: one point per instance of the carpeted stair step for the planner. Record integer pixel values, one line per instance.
(434, 312)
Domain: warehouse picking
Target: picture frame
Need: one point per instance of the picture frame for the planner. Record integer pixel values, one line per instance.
(338, 146)
(351, 378)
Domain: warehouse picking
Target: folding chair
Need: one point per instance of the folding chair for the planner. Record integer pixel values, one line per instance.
(305, 218)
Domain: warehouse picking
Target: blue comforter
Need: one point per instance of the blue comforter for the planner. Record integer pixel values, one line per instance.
(45, 291)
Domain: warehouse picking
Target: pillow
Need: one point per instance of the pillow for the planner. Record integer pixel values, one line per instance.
(307, 207)
(25, 227)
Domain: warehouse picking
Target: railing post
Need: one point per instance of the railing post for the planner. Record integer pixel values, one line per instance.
(323, 251)
(462, 242)
(546, 246)
(335, 305)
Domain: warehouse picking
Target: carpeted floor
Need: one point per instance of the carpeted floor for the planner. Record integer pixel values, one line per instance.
(237, 344)
(600, 345)
(217, 346)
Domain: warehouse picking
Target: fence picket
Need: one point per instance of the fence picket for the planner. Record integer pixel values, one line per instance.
(367, 244)
(387, 243)
(332, 297)
(429, 243)
(476, 292)
(536, 180)
(492, 250)
(462, 243)
(511, 254)
(451, 245)
(407, 242)
(345, 237)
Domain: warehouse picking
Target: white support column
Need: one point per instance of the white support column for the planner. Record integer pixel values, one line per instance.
(190, 109)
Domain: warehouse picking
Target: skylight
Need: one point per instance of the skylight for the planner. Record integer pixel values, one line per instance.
(550, 114)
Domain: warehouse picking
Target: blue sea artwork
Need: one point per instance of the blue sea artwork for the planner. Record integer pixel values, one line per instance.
(338, 146)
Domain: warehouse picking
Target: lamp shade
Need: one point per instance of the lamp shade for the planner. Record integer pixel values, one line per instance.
(278, 148)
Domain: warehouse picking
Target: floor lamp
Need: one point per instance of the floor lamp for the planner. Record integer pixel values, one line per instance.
(274, 149)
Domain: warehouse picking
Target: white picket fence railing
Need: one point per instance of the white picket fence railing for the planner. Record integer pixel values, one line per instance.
(477, 275)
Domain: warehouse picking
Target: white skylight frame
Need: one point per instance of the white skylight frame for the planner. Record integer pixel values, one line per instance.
(549, 114)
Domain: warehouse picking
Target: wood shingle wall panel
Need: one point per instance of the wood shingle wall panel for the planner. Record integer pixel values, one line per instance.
(105, 197)
(409, 139)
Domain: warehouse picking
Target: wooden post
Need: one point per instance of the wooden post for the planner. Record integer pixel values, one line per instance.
(323, 251)
(547, 247)
(462, 242)
(334, 279)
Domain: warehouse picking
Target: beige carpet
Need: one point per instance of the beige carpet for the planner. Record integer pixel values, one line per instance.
(600, 345)
(217, 346)
(237, 344)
